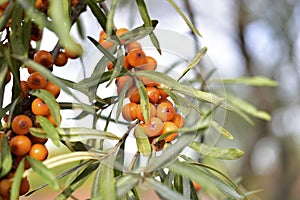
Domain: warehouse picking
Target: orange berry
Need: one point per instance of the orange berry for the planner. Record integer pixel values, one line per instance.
(74, 2)
(148, 82)
(129, 111)
(36, 80)
(178, 120)
(126, 64)
(165, 111)
(163, 94)
(197, 186)
(8, 76)
(136, 57)
(5, 186)
(35, 33)
(154, 127)
(168, 127)
(121, 81)
(35, 139)
(153, 94)
(21, 124)
(133, 45)
(150, 64)
(164, 101)
(30, 70)
(120, 32)
(38, 4)
(158, 145)
(110, 65)
(71, 54)
(53, 89)
(43, 57)
(24, 187)
(38, 152)
(139, 112)
(61, 59)
(107, 44)
(134, 95)
(20, 145)
(38, 107)
(24, 88)
(102, 37)
(18, 159)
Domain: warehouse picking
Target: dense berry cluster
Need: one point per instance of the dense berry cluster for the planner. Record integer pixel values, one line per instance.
(163, 116)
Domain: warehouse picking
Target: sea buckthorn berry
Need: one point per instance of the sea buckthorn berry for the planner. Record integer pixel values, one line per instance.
(139, 112)
(148, 82)
(163, 94)
(126, 64)
(134, 95)
(165, 111)
(8, 76)
(21, 124)
(197, 186)
(178, 120)
(18, 159)
(154, 127)
(136, 57)
(20, 145)
(107, 44)
(53, 89)
(30, 70)
(43, 57)
(158, 145)
(71, 54)
(38, 152)
(129, 111)
(38, 4)
(168, 127)
(74, 2)
(24, 87)
(35, 139)
(102, 37)
(36, 80)
(150, 64)
(120, 32)
(5, 186)
(36, 33)
(121, 82)
(153, 94)
(61, 59)
(133, 45)
(38, 107)
(24, 186)
(110, 65)
(164, 101)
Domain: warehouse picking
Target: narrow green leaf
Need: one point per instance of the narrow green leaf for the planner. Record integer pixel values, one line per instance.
(15, 188)
(118, 65)
(60, 18)
(6, 15)
(176, 86)
(107, 181)
(107, 53)
(179, 101)
(122, 96)
(51, 102)
(248, 108)
(187, 21)
(178, 183)
(255, 81)
(147, 21)
(50, 130)
(163, 190)
(100, 16)
(80, 28)
(6, 158)
(142, 141)
(221, 130)
(16, 31)
(144, 101)
(126, 183)
(110, 17)
(215, 152)
(44, 172)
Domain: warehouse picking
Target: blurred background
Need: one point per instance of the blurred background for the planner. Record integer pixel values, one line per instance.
(244, 38)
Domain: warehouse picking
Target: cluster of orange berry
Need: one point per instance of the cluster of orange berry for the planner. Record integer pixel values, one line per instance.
(163, 116)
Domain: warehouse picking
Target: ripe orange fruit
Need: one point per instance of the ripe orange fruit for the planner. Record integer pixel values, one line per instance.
(129, 111)
(8, 76)
(5, 186)
(136, 57)
(158, 145)
(38, 4)
(43, 57)
(154, 127)
(53, 89)
(20, 145)
(38, 107)
(121, 81)
(134, 95)
(74, 2)
(120, 32)
(107, 44)
(35, 139)
(38, 152)
(148, 82)
(24, 88)
(165, 111)
(197, 186)
(61, 59)
(102, 37)
(21, 124)
(110, 65)
(153, 94)
(163, 94)
(178, 120)
(150, 64)
(139, 112)
(133, 45)
(36, 80)
(24, 187)
(168, 127)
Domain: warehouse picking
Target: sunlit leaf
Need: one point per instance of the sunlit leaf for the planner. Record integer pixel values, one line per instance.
(50, 130)
(15, 188)
(215, 152)
(110, 17)
(255, 81)
(248, 108)
(221, 130)
(51, 102)
(97, 12)
(163, 191)
(5, 156)
(142, 141)
(187, 21)
(44, 172)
